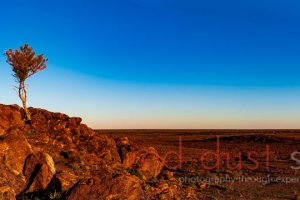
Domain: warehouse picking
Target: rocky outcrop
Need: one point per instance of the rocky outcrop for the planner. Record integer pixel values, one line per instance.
(107, 186)
(28, 153)
(67, 134)
(57, 155)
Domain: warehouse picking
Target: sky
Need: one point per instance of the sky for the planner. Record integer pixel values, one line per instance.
(187, 64)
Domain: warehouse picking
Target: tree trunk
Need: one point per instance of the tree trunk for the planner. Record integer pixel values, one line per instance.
(23, 97)
(27, 113)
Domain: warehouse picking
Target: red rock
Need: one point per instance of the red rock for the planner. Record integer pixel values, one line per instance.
(67, 141)
(68, 133)
(149, 164)
(39, 170)
(14, 149)
(108, 187)
(10, 116)
(128, 152)
(7, 193)
(8, 179)
(18, 150)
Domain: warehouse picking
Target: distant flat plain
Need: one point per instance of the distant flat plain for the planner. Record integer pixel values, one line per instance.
(280, 145)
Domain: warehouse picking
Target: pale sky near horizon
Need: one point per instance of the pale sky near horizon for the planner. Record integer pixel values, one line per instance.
(160, 64)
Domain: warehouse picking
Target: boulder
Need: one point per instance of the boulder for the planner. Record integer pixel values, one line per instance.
(127, 152)
(147, 161)
(149, 164)
(10, 116)
(123, 141)
(17, 151)
(8, 179)
(107, 187)
(39, 170)
(14, 149)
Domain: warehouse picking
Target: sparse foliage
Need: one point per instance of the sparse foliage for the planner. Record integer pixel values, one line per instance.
(24, 64)
(55, 195)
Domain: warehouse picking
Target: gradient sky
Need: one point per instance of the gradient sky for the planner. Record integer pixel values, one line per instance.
(160, 63)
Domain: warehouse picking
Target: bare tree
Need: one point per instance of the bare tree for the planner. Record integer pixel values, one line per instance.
(24, 64)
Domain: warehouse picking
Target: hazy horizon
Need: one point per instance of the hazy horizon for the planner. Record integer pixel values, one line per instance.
(160, 64)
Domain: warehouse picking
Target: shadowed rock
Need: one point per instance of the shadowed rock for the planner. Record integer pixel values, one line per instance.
(39, 170)
(128, 152)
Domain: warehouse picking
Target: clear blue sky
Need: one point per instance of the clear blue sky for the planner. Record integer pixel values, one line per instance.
(160, 63)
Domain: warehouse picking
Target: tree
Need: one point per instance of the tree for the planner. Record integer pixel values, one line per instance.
(24, 64)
